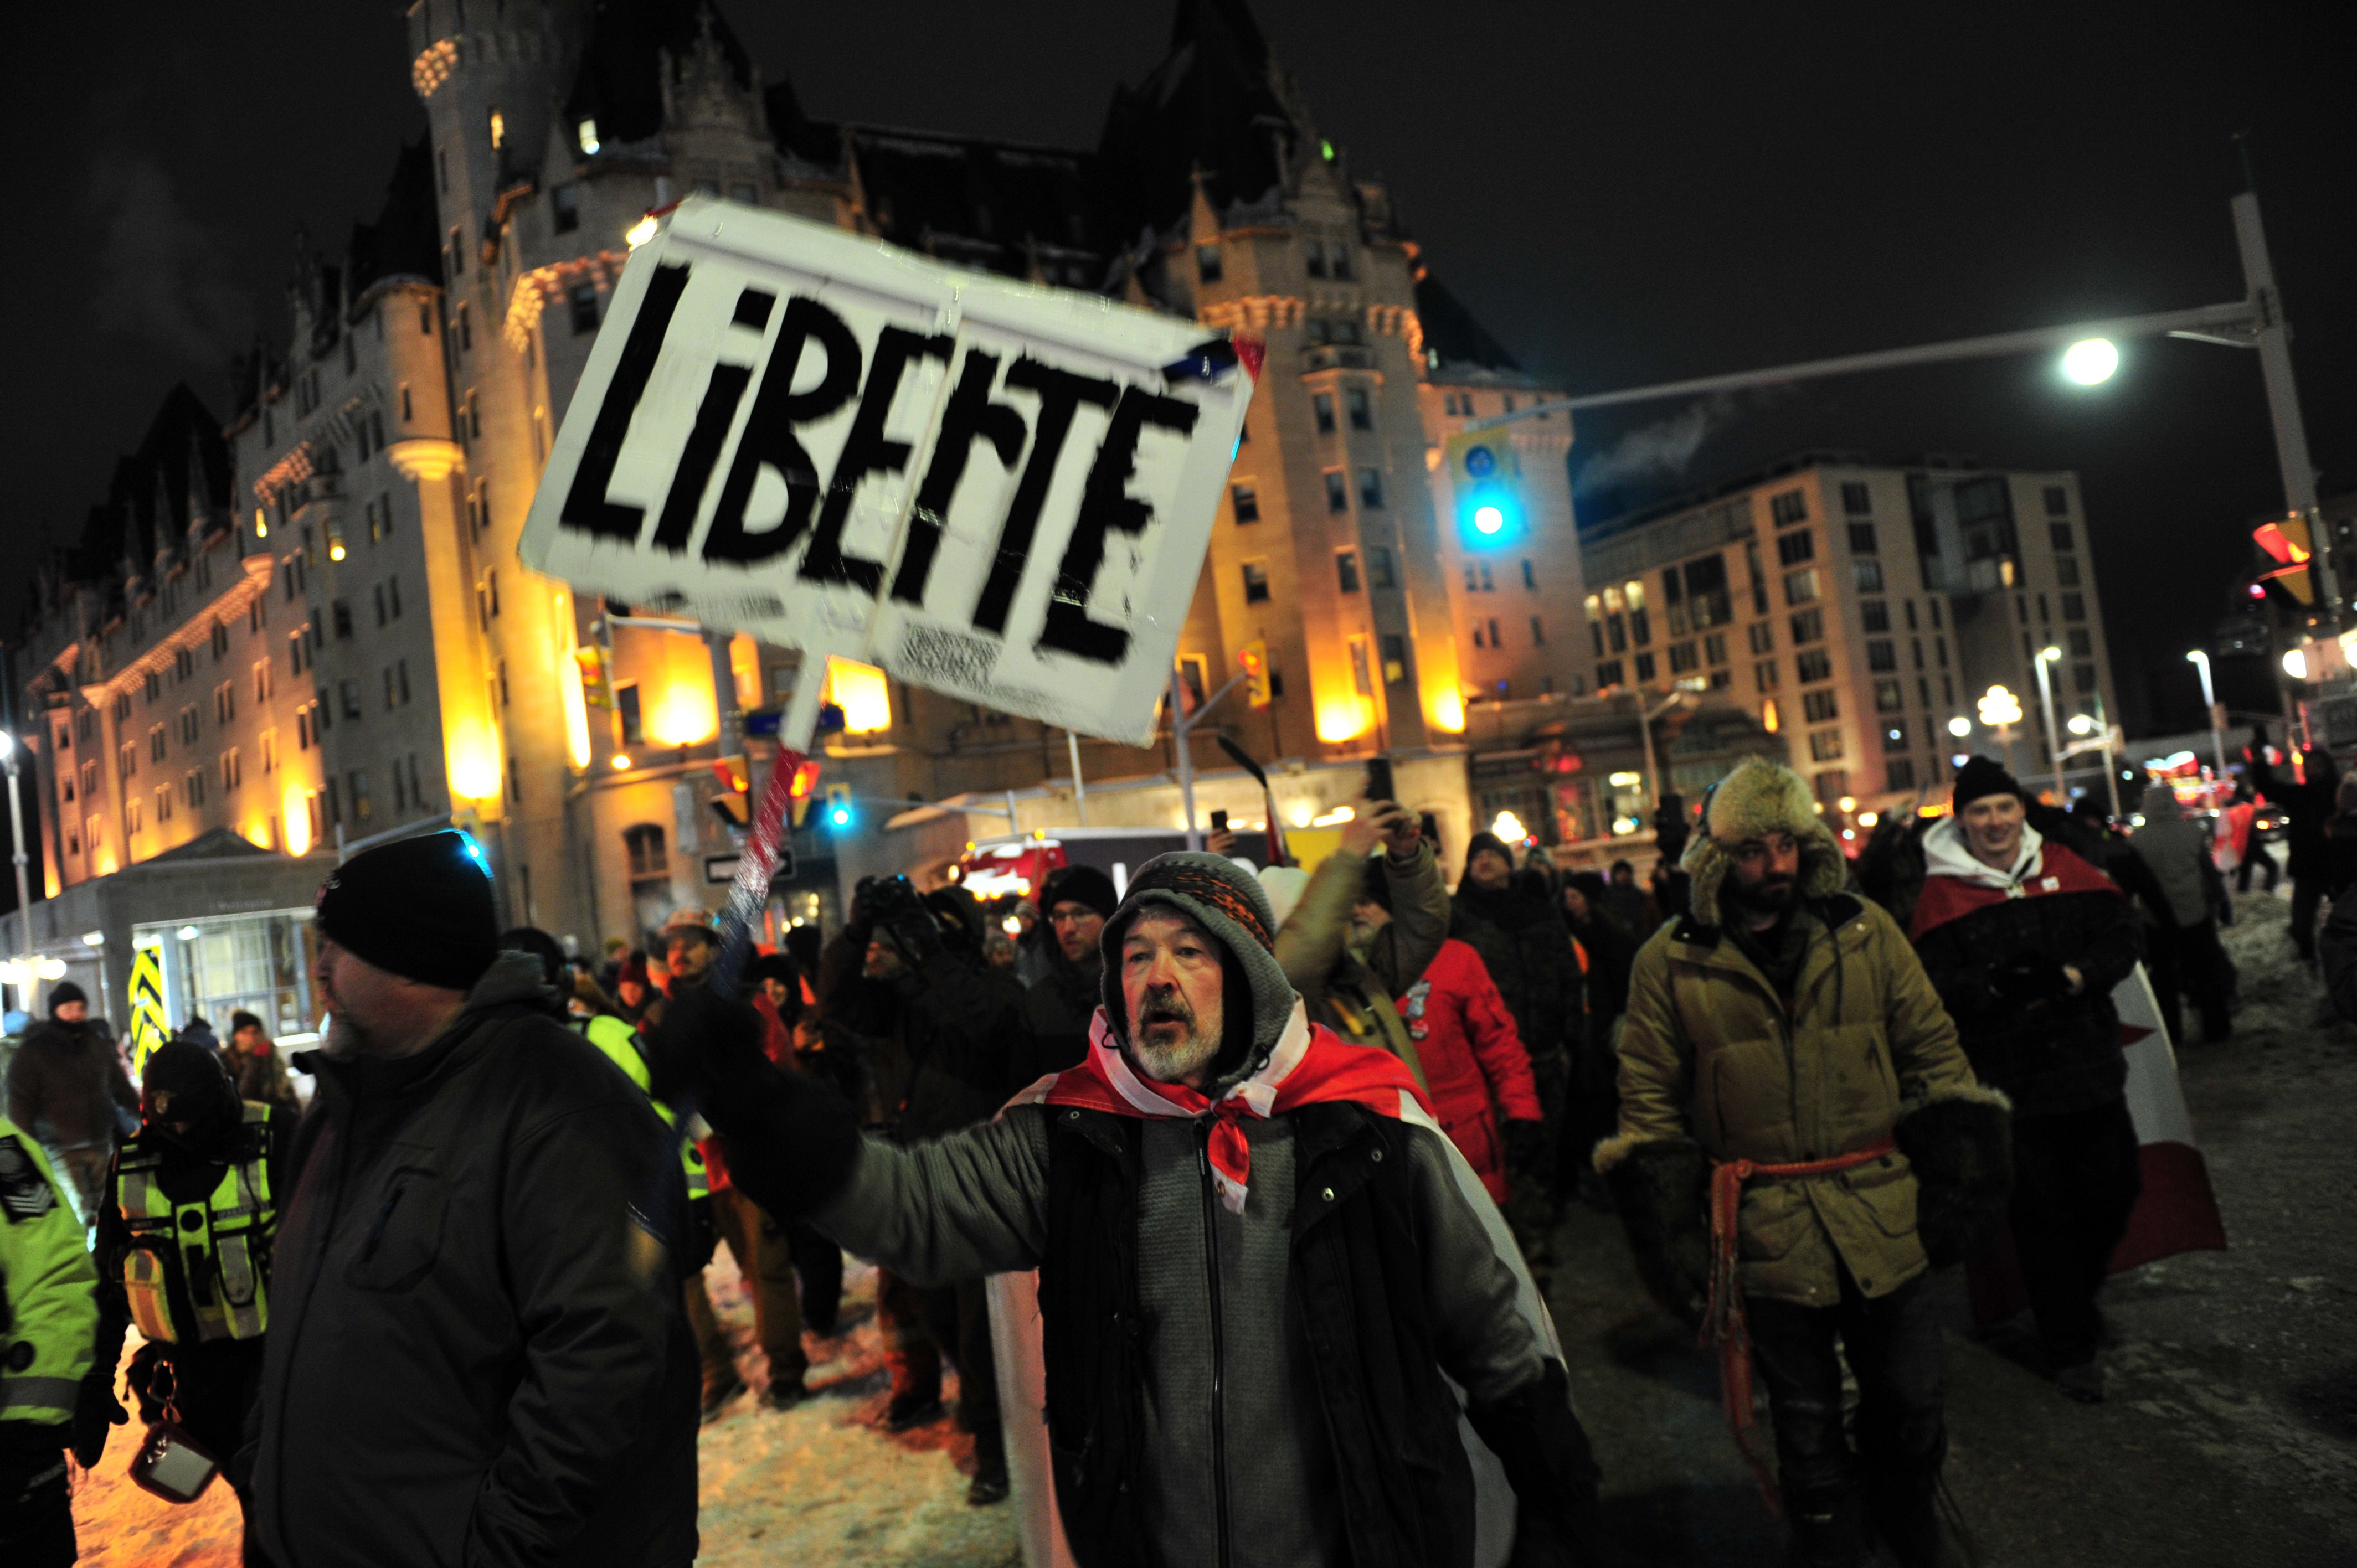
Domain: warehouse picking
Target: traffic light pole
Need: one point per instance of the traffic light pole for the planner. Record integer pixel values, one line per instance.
(1182, 731)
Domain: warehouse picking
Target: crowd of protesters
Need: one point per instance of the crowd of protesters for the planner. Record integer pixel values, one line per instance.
(1352, 1103)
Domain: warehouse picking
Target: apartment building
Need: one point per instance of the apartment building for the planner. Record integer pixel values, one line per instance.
(1860, 611)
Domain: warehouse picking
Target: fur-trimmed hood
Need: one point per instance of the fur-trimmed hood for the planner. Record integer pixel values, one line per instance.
(1760, 796)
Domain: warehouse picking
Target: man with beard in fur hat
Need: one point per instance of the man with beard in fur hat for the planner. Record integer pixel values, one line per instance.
(1801, 1141)
(1265, 1276)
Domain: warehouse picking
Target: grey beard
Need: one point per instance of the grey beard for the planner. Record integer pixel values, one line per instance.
(1169, 1064)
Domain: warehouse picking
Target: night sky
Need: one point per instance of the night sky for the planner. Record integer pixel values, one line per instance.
(1623, 194)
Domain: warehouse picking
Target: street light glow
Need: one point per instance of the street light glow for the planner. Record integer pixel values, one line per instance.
(1960, 727)
(2050, 654)
(2081, 723)
(2295, 664)
(2091, 361)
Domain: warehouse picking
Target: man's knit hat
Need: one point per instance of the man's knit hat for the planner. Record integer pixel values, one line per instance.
(418, 907)
(1759, 796)
(1227, 901)
(1083, 885)
(1985, 776)
(65, 990)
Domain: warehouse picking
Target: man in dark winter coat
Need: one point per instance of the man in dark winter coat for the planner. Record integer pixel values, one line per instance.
(1782, 1024)
(944, 1032)
(1526, 947)
(185, 1243)
(478, 1352)
(66, 1086)
(1076, 901)
(1258, 1253)
(2024, 942)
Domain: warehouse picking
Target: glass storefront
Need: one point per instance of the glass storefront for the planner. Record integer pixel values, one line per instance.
(254, 963)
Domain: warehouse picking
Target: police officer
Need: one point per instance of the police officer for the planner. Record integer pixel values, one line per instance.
(184, 1248)
(47, 1310)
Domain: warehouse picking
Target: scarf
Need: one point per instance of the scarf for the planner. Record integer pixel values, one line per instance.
(1956, 884)
(1310, 1065)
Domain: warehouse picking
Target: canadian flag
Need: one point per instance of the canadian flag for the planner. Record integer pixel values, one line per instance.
(2177, 1211)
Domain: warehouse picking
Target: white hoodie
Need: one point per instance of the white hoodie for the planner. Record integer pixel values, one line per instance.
(1946, 852)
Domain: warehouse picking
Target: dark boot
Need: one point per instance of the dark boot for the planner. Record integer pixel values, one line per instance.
(990, 1484)
(1827, 1532)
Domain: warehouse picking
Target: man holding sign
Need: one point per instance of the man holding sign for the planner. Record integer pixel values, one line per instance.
(1268, 1285)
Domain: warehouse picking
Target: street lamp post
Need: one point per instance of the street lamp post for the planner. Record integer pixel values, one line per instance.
(1182, 731)
(2200, 660)
(1645, 730)
(24, 884)
(2047, 656)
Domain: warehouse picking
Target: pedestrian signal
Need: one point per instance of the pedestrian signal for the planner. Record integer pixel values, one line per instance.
(1487, 478)
(1252, 660)
(801, 790)
(2289, 544)
(839, 814)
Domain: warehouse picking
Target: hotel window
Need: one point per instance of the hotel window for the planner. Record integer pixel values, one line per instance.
(156, 744)
(1394, 658)
(1714, 647)
(126, 758)
(1208, 262)
(1764, 637)
(1881, 654)
(1338, 492)
(1255, 575)
(359, 783)
(466, 328)
(232, 770)
(1346, 570)
(1875, 615)
(2066, 570)
(1861, 538)
(1794, 548)
(1825, 746)
(1682, 658)
(2083, 677)
(2083, 646)
(1538, 633)
(565, 208)
(2058, 501)
(163, 802)
(1608, 673)
(1801, 587)
(1246, 501)
(2059, 535)
(1788, 507)
(1362, 680)
(1370, 489)
(1890, 697)
(1899, 773)
(1321, 407)
(261, 685)
(581, 304)
(1822, 706)
(1813, 665)
(627, 714)
(1808, 627)
(1867, 575)
(349, 693)
(1360, 411)
(1645, 667)
(1379, 567)
(1855, 500)
(2075, 607)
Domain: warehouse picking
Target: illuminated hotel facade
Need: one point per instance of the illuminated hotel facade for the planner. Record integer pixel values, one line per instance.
(306, 629)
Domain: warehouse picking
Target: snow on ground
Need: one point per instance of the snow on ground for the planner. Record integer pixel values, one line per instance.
(814, 1487)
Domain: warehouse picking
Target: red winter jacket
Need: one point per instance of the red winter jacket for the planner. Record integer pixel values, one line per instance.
(1473, 1060)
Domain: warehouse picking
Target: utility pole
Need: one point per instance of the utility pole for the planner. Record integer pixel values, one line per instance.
(2271, 335)
(2047, 656)
(1182, 730)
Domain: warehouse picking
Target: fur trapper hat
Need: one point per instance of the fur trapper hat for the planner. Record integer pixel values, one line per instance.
(1760, 796)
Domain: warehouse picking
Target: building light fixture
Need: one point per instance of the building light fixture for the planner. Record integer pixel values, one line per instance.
(621, 761)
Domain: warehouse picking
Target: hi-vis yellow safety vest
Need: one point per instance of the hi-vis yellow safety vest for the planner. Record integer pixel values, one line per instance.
(216, 1251)
(620, 1043)
(49, 1297)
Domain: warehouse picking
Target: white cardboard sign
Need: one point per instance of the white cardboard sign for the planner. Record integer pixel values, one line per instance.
(988, 488)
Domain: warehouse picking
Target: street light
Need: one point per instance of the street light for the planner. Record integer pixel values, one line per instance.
(1960, 727)
(24, 891)
(2091, 361)
(2295, 663)
(2047, 656)
(2201, 661)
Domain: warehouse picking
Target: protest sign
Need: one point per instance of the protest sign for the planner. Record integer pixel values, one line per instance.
(991, 489)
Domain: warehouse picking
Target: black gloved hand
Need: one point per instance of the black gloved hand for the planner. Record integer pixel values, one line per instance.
(790, 1140)
(1525, 1147)
(1546, 1457)
(2028, 978)
(95, 1411)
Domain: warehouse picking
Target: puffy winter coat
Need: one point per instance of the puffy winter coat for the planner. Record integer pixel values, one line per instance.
(1474, 1064)
(1526, 947)
(1352, 992)
(1057, 1007)
(2049, 1057)
(64, 1084)
(1709, 1045)
(479, 1352)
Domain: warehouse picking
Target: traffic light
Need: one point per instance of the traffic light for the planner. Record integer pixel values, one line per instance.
(1252, 660)
(1487, 478)
(801, 790)
(839, 814)
(2289, 544)
(734, 804)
